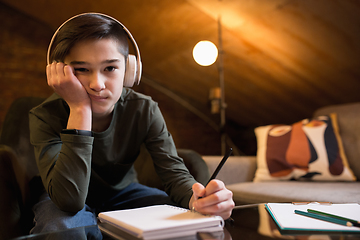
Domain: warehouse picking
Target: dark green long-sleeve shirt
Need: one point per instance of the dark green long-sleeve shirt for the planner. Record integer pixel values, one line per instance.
(76, 169)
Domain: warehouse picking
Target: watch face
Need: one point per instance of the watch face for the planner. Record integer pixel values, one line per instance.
(69, 131)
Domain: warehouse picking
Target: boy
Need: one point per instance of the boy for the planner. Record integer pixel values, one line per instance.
(88, 134)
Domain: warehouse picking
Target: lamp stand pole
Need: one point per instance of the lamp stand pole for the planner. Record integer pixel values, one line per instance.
(222, 90)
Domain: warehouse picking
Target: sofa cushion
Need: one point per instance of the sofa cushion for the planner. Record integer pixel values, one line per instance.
(295, 191)
(310, 149)
(349, 127)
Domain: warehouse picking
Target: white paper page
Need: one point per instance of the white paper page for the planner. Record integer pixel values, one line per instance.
(288, 220)
(159, 219)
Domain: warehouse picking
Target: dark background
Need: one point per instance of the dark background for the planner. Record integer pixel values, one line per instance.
(283, 59)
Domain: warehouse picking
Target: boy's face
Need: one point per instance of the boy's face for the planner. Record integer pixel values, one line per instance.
(100, 68)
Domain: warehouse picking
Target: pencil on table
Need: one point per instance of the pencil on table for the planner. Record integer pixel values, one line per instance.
(325, 218)
(354, 222)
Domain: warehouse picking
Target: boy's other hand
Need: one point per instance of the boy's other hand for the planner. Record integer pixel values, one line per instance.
(61, 78)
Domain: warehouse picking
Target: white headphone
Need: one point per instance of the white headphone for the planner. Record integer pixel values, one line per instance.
(133, 68)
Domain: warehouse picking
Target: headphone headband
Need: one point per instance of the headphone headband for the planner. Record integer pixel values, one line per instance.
(138, 64)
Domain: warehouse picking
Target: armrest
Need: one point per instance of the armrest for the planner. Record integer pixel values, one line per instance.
(146, 172)
(236, 169)
(196, 165)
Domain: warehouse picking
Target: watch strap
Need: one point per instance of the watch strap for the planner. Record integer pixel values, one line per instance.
(77, 132)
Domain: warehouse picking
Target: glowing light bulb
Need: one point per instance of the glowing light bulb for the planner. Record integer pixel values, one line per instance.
(205, 53)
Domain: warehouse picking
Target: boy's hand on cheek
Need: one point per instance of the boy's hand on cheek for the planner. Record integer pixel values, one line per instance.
(216, 199)
(61, 78)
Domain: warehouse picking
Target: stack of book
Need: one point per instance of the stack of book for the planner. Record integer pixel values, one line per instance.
(158, 222)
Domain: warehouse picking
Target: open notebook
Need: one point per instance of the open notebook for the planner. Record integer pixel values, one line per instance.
(285, 217)
(160, 222)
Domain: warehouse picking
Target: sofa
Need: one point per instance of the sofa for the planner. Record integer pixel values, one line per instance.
(239, 172)
(20, 186)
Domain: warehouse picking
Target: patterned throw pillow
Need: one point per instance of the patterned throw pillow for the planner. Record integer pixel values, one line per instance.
(310, 149)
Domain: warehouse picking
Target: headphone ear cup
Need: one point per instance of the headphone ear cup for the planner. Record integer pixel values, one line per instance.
(130, 72)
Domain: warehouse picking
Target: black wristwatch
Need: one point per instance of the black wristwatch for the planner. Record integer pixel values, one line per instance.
(77, 132)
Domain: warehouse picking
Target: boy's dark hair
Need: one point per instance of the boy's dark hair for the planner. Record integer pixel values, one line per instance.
(87, 27)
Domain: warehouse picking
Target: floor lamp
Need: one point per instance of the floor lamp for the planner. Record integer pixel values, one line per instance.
(205, 53)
